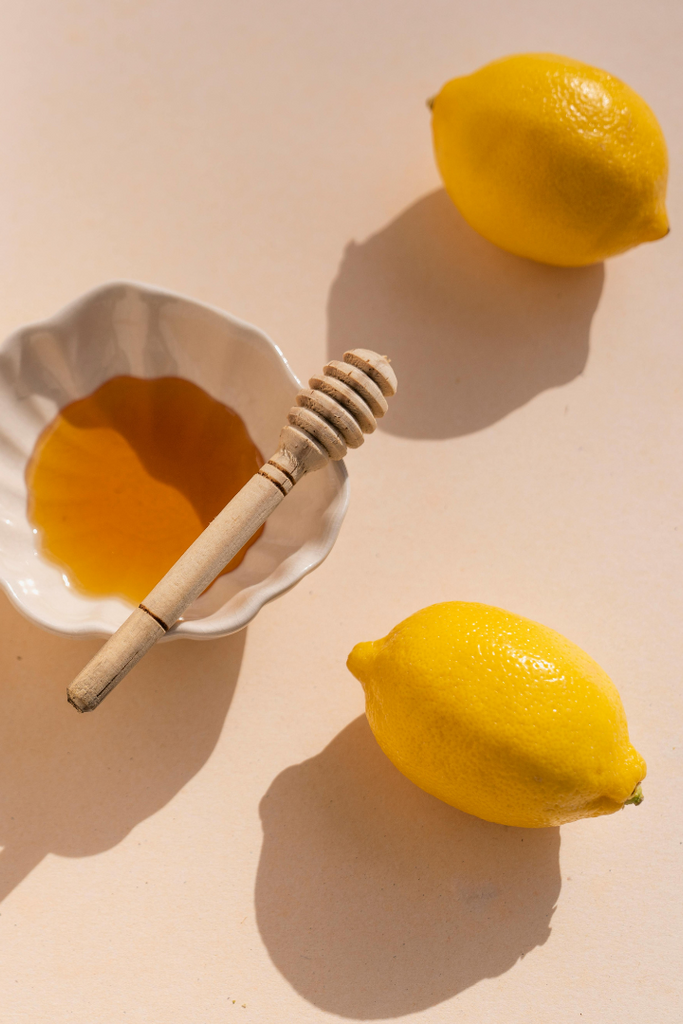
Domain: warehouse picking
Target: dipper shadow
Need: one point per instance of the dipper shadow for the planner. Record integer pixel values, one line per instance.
(473, 332)
(76, 785)
(376, 900)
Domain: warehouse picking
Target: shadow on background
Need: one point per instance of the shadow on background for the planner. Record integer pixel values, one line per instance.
(75, 784)
(473, 332)
(376, 900)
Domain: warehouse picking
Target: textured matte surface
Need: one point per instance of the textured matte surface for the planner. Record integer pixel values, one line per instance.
(247, 841)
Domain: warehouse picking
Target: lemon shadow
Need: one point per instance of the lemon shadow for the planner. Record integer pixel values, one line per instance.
(376, 900)
(473, 332)
(76, 785)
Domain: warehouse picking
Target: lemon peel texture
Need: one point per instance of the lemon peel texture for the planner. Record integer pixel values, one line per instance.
(552, 159)
(498, 716)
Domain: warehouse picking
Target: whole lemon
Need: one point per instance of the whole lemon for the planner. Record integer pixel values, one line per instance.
(552, 159)
(498, 716)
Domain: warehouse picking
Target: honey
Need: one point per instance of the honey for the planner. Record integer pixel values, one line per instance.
(121, 482)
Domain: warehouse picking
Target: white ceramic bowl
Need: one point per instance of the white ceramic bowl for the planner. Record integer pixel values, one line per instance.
(129, 328)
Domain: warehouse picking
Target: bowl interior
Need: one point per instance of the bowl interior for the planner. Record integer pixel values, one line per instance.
(126, 328)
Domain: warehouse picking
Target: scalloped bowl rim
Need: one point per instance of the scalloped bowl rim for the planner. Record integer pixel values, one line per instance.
(252, 598)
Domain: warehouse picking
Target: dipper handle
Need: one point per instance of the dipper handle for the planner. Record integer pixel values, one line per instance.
(333, 413)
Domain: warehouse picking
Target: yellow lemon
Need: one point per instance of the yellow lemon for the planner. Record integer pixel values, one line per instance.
(499, 716)
(552, 159)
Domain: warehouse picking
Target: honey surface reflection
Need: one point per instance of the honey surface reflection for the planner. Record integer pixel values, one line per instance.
(122, 481)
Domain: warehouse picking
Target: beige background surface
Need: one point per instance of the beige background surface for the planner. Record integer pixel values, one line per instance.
(224, 831)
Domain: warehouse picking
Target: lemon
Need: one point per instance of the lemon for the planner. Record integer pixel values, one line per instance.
(552, 159)
(498, 716)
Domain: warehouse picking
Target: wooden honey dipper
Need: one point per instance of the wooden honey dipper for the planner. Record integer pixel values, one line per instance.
(330, 416)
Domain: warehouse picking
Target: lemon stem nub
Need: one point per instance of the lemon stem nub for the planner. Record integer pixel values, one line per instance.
(636, 796)
(430, 102)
